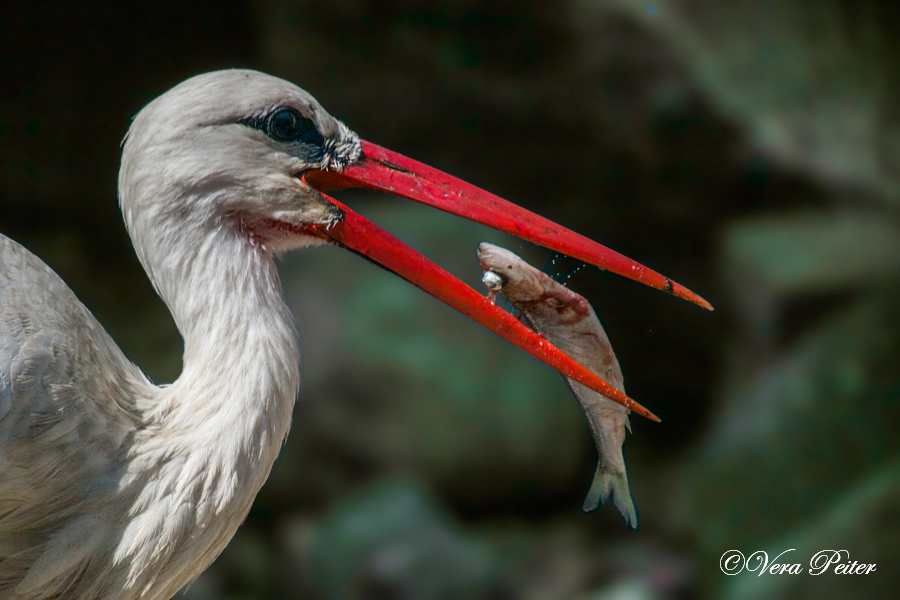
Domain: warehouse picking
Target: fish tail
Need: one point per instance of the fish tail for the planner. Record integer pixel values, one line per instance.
(615, 485)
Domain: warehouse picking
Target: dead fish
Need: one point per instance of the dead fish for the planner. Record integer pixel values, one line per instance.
(568, 321)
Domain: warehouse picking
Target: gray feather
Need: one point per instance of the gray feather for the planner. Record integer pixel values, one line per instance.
(53, 397)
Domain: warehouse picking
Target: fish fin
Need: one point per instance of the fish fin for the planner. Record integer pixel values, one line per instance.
(609, 484)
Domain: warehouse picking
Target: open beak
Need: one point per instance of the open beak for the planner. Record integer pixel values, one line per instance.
(383, 170)
(386, 171)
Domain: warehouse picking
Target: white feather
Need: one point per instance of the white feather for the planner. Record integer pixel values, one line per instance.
(112, 487)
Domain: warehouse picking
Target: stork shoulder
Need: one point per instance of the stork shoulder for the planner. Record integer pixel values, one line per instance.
(66, 421)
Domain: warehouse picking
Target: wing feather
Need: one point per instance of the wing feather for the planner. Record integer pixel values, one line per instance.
(66, 420)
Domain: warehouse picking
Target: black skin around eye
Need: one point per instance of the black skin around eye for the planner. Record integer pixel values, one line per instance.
(287, 125)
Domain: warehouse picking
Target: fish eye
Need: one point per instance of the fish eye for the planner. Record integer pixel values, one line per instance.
(287, 125)
(493, 281)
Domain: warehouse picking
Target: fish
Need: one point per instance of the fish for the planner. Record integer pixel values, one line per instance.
(569, 322)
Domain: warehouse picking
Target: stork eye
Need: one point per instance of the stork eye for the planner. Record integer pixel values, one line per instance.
(287, 125)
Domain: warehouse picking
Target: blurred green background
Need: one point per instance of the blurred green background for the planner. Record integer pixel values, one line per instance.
(748, 149)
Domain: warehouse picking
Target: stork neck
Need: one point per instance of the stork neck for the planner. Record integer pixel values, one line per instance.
(241, 354)
(212, 436)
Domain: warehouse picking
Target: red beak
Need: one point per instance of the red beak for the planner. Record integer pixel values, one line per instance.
(381, 169)
(386, 171)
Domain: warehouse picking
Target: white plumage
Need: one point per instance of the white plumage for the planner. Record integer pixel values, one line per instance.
(112, 487)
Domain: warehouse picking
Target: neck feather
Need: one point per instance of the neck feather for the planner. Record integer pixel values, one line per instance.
(212, 436)
(241, 355)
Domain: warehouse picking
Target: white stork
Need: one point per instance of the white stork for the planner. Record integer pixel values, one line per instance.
(114, 488)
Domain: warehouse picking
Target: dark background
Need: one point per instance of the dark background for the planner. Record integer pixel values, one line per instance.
(749, 150)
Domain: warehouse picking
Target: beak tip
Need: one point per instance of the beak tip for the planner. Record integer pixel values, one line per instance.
(682, 292)
(703, 303)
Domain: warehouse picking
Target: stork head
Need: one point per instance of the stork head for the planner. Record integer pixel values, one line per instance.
(228, 150)
(245, 157)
